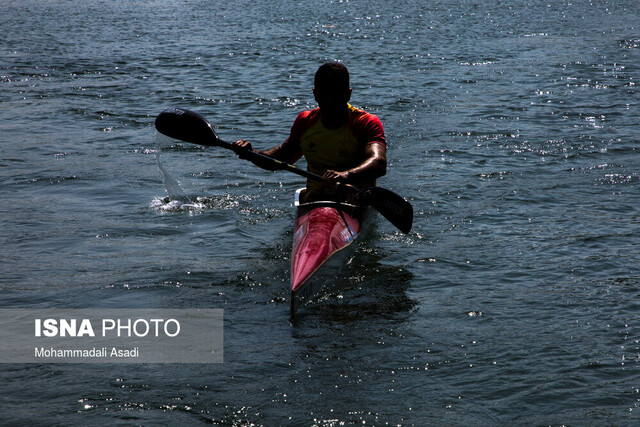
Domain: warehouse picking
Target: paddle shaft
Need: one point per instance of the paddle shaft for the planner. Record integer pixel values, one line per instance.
(389, 204)
(279, 165)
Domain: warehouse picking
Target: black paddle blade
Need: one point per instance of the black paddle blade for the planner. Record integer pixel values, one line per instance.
(392, 206)
(186, 126)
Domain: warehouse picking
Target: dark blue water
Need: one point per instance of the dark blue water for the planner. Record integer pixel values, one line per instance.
(512, 128)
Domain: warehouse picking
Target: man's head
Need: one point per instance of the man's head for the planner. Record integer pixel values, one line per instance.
(331, 85)
(332, 75)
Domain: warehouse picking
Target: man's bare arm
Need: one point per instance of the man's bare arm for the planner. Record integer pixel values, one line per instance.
(374, 166)
(283, 152)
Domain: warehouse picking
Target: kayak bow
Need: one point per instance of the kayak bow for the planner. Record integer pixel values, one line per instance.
(322, 229)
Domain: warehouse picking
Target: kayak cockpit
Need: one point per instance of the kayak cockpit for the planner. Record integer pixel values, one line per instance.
(322, 228)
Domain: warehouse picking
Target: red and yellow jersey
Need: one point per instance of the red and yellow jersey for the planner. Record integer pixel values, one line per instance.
(336, 149)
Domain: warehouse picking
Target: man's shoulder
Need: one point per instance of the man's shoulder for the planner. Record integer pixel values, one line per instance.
(304, 121)
(358, 115)
(308, 115)
(366, 126)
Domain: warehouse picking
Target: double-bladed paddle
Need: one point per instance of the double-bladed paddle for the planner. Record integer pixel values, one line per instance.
(189, 126)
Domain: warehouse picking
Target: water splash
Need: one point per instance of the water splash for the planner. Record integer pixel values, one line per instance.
(177, 199)
(171, 184)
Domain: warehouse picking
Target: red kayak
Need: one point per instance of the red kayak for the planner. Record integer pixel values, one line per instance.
(322, 229)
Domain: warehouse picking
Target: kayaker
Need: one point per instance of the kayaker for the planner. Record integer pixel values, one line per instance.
(340, 142)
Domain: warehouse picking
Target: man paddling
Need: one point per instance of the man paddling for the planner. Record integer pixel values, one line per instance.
(340, 142)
